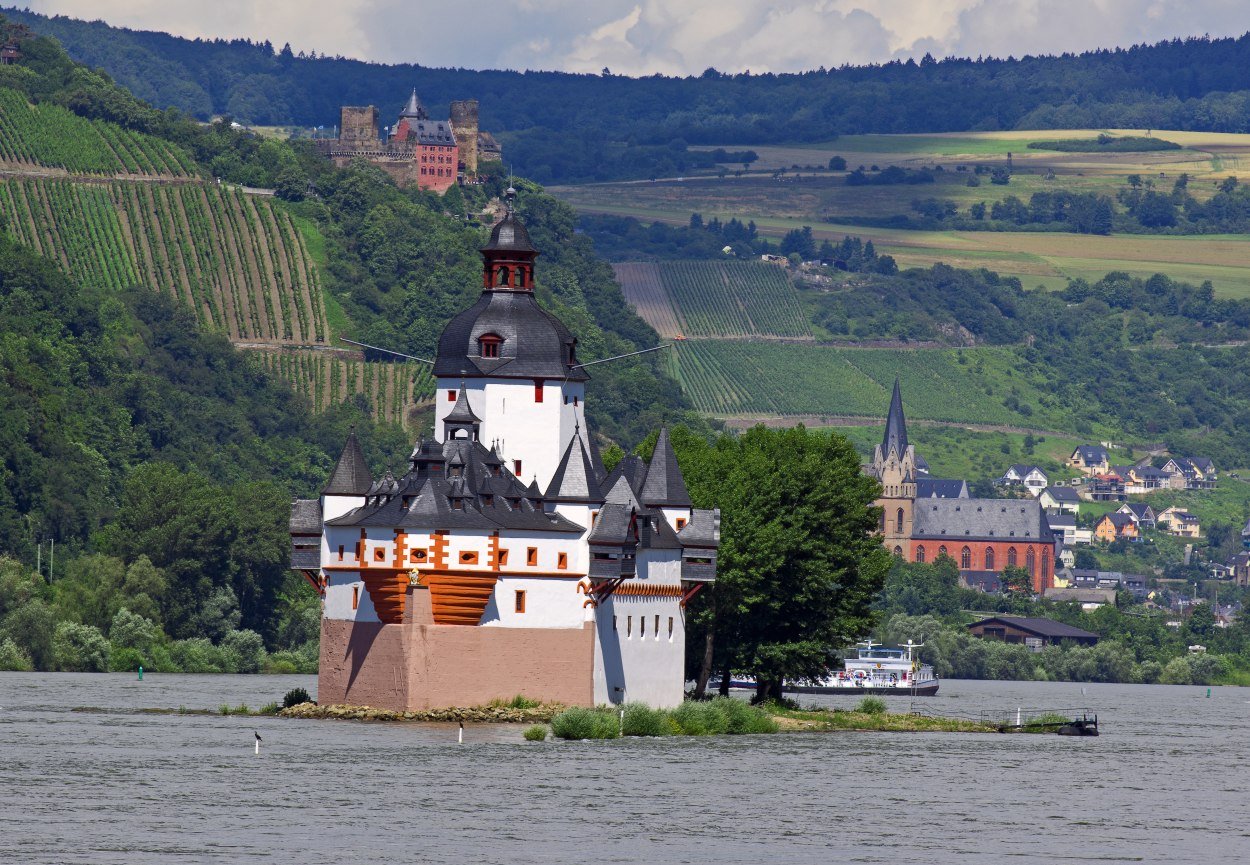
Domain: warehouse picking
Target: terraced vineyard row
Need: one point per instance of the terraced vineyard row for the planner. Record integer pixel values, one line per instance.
(644, 290)
(736, 377)
(328, 378)
(237, 260)
(51, 136)
(734, 298)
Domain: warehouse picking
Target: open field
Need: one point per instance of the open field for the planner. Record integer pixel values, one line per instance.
(1047, 259)
(744, 379)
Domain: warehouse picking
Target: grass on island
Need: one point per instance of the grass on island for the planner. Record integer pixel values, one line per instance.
(716, 717)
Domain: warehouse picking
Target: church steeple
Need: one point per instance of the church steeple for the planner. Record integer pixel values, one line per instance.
(508, 259)
(895, 439)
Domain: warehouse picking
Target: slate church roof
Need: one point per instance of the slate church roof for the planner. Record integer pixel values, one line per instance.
(980, 519)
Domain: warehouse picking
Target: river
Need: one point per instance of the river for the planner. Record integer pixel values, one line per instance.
(1168, 780)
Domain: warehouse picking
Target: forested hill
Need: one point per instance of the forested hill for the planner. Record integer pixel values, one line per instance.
(1197, 83)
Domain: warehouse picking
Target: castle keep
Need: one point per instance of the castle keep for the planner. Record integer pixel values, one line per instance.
(417, 150)
(504, 560)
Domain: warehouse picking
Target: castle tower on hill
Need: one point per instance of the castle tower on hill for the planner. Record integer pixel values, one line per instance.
(923, 518)
(505, 560)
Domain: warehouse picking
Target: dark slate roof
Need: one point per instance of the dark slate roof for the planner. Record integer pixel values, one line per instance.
(414, 109)
(633, 469)
(1204, 464)
(575, 479)
(535, 344)
(1148, 472)
(1022, 470)
(922, 465)
(306, 558)
(703, 530)
(990, 582)
(461, 412)
(612, 525)
(509, 235)
(1120, 520)
(485, 495)
(895, 438)
(434, 132)
(664, 486)
(941, 488)
(1041, 627)
(306, 517)
(351, 475)
(980, 519)
(1138, 509)
(1061, 521)
(1092, 453)
(621, 492)
(1063, 494)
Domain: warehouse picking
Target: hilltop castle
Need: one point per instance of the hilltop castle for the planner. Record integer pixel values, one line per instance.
(505, 560)
(923, 518)
(417, 150)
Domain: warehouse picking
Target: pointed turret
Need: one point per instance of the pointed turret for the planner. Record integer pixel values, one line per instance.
(664, 486)
(895, 439)
(414, 109)
(351, 475)
(575, 479)
(461, 418)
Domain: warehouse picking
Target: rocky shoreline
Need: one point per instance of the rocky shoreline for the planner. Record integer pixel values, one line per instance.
(472, 714)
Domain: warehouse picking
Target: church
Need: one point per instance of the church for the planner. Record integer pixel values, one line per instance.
(923, 518)
(504, 559)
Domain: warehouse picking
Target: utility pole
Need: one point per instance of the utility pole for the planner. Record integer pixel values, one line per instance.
(51, 558)
(39, 559)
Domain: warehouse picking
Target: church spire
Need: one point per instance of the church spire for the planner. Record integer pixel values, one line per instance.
(895, 426)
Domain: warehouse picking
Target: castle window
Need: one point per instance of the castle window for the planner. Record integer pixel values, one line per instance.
(989, 558)
(1045, 563)
(920, 553)
(898, 521)
(518, 278)
(516, 468)
(941, 551)
(468, 558)
(965, 559)
(451, 396)
(681, 524)
(614, 629)
(562, 561)
(670, 627)
(594, 515)
(503, 557)
(340, 552)
(1030, 561)
(502, 276)
(519, 603)
(629, 627)
(531, 556)
(417, 555)
(898, 551)
(1011, 557)
(488, 344)
(355, 597)
(657, 626)
(379, 555)
(642, 626)
(538, 390)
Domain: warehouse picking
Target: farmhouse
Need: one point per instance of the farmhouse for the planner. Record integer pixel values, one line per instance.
(459, 582)
(1036, 633)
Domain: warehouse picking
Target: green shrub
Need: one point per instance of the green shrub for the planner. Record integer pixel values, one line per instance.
(269, 709)
(696, 718)
(871, 706)
(581, 723)
(126, 660)
(536, 733)
(517, 702)
(80, 648)
(294, 697)
(13, 658)
(642, 720)
(742, 718)
(280, 666)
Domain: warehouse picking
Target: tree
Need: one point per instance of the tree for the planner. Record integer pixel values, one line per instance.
(799, 561)
(1016, 579)
(1085, 560)
(837, 163)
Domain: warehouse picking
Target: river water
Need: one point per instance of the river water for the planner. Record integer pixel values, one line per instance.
(1168, 780)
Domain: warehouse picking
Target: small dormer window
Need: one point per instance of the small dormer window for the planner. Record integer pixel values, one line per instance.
(488, 345)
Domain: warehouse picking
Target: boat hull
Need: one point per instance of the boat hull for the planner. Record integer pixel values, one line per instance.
(926, 690)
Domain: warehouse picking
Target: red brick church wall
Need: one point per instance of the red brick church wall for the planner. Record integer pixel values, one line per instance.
(1044, 556)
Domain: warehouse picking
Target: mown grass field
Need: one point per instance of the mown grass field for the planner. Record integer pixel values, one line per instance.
(743, 380)
(824, 201)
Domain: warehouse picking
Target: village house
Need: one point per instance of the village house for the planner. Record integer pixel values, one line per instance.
(1143, 479)
(1060, 500)
(1179, 522)
(1089, 459)
(1245, 535)
(505, 560)
(1089, 599)
(1239, 569)
(1116, 526)
(1086, 578)
(1184, 473)
(1104, 488)
(1063, 526)
(1031, 478)
(1142, 513)
(1035, 633)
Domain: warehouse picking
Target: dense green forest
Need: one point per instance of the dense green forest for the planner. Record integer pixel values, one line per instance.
(1196, 83)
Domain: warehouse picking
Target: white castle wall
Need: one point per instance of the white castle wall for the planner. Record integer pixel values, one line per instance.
(634, 663)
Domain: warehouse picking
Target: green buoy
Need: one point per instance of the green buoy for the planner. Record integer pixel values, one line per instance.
(141, 676)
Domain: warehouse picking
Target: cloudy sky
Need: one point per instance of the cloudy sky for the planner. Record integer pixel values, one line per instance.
(673, 37)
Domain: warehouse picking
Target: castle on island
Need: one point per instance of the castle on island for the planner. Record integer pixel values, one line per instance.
(417, 150)
(505, 560)
(923, 517)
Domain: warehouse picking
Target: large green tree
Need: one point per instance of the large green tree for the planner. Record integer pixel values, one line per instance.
(799, 561)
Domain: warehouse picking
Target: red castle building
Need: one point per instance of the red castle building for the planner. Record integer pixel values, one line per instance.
(435, 152)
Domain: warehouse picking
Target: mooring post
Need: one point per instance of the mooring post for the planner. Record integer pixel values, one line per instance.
(1017, 716)
(460, 735)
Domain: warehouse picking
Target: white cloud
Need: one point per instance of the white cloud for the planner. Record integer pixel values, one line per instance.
(675, 37)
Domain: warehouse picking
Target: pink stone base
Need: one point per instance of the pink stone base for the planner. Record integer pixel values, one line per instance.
(411, 667)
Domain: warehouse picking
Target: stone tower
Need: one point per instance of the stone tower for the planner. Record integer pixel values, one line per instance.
(359, 125)
(894, 464)
(464, 127)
